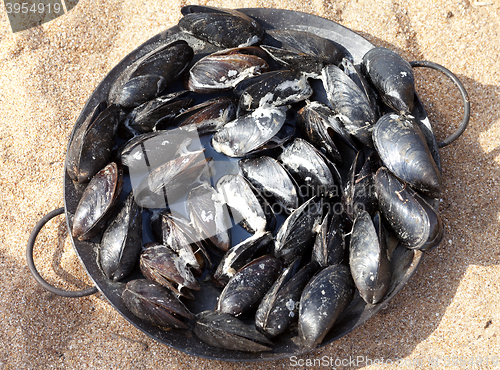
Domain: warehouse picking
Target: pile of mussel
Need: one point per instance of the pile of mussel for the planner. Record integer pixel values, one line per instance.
(318, 164)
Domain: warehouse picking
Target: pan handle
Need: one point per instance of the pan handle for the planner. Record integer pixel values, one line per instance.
(463, 92)
(31, 262)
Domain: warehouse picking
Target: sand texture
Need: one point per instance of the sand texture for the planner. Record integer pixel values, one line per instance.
(447, 312)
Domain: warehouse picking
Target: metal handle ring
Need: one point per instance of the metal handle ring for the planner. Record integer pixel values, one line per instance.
(31, 262)
(463, 93)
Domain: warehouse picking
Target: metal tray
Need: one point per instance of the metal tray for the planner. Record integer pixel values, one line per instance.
(405, 261)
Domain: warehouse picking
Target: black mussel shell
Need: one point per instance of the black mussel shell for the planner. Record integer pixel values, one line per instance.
(121, 243)
(151, 74)
(241, 254)
(210, 216)
(280, 306)
(209, 116)
(247, 82)
(359, 193)
(350, 103)
(416, 224)
(392, 76)
(155, 304)
(329, 245)
(271, 180)
(243, 204)
(322, 301)
(250, 132)
(97, 201)
(319, 129)
(152, 114)
(222, 330)
(220, 72)
(370, 266)
(162, 265)
(225, 29)
(327, 51)
(170, 181)
(91, 147)
(248, 286)
(152, 149)
(295, 60)
(312, 169)
(296, 235)
(281, 88)
(402, 148)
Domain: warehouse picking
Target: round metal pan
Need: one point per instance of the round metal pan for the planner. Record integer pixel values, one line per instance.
(404, 261)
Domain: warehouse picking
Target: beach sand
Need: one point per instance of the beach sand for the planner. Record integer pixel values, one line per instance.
(448, 312)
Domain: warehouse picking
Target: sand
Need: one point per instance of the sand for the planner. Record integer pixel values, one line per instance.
(446, 315)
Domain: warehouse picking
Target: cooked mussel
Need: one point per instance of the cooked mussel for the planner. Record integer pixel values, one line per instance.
(312, 169)
(277, 89)
(296, 235)
(97, 202)
(223, 70)
(416, 224)
(210, 216)
(222, 330)
(368, 260)
(350, 103)
(403, 150)
(90, 149)
(150, 75)
(250, 132)
(209, 116)
(392, 76)
(155, 304)
(322, 301)
(241, 254)
(280, 306)
(225, 28)
(271, 179)
(121, 243)
(246, 207)
(159, 263)
(248, 286)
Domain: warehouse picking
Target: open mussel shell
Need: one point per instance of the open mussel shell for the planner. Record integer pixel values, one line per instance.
(90, 149)
(168, 182)
(221, 72)
(416, 224)
(248, 286)
(359, 193)
(97, 202)
(295, 237)
(350, 103)
(210, 216)
(403, 150)
(241, 254)
(322, 301)
(245, 207)
(222, 330)
(223, 28)
(271, 180)
(155, 304)
(329, 244)
(151, 114)
(370, 266)
(159, 263)
(392, 76)
(279, 88)
(312, 169)
(280, 306)
(151, 74)
(250, 132)
(121, 243)
(209, 116)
